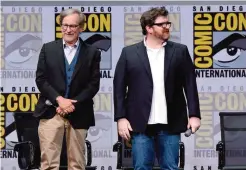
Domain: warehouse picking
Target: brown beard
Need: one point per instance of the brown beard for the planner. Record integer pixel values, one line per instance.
(160, 36)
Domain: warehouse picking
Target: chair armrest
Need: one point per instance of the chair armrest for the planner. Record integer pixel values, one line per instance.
(220, 147)
(181, 155)
(18, 144)
(118, 148)
(89, 151)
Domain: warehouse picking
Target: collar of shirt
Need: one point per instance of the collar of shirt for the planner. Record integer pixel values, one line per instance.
(75, 45)
(148, 48)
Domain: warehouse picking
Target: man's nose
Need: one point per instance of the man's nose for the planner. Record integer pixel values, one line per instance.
(68, 29)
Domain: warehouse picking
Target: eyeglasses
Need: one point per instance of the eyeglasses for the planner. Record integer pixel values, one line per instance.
(72, 27)
(163, 24)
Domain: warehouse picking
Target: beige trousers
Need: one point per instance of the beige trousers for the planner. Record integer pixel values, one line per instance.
(51, 132)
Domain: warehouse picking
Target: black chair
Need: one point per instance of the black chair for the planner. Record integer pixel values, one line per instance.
(28, 148)
(124, 155)
(232, 147)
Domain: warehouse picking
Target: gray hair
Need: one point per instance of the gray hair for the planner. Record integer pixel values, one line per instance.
(71, 11)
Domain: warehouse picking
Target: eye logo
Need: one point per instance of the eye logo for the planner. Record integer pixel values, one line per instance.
(103, 125)
(22, 53)
(102, 43)
(230, 52)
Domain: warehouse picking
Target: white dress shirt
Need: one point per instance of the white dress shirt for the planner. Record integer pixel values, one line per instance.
(70, 51)
(158, 114)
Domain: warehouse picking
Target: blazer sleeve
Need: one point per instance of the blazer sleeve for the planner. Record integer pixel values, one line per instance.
(94, 82)
(42, 78)
(120, 87)
(190, 85)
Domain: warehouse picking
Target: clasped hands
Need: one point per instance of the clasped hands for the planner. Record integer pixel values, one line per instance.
(66, 106)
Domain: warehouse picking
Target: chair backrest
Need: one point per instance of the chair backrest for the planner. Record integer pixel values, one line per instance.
(233, 135)
(27, 130)
(26, 127)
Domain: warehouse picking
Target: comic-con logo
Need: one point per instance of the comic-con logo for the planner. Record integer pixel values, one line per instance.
(220, 44)
(21, 44)
(97, 32)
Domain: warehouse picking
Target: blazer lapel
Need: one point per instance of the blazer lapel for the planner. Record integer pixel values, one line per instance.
(61, 57)
(169, 49)
(82, 57)
(142, 53)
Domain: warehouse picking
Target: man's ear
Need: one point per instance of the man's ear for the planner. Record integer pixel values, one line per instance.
(149, 29)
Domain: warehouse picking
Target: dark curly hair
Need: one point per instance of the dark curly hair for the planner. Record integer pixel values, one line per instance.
(148, 18)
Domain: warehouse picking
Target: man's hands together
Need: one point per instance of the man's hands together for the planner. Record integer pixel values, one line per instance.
(66, 106)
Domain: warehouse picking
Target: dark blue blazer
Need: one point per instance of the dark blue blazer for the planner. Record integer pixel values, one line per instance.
(133, 87)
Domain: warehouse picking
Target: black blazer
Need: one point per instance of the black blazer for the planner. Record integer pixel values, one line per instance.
(133, 87)
(51, 82)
